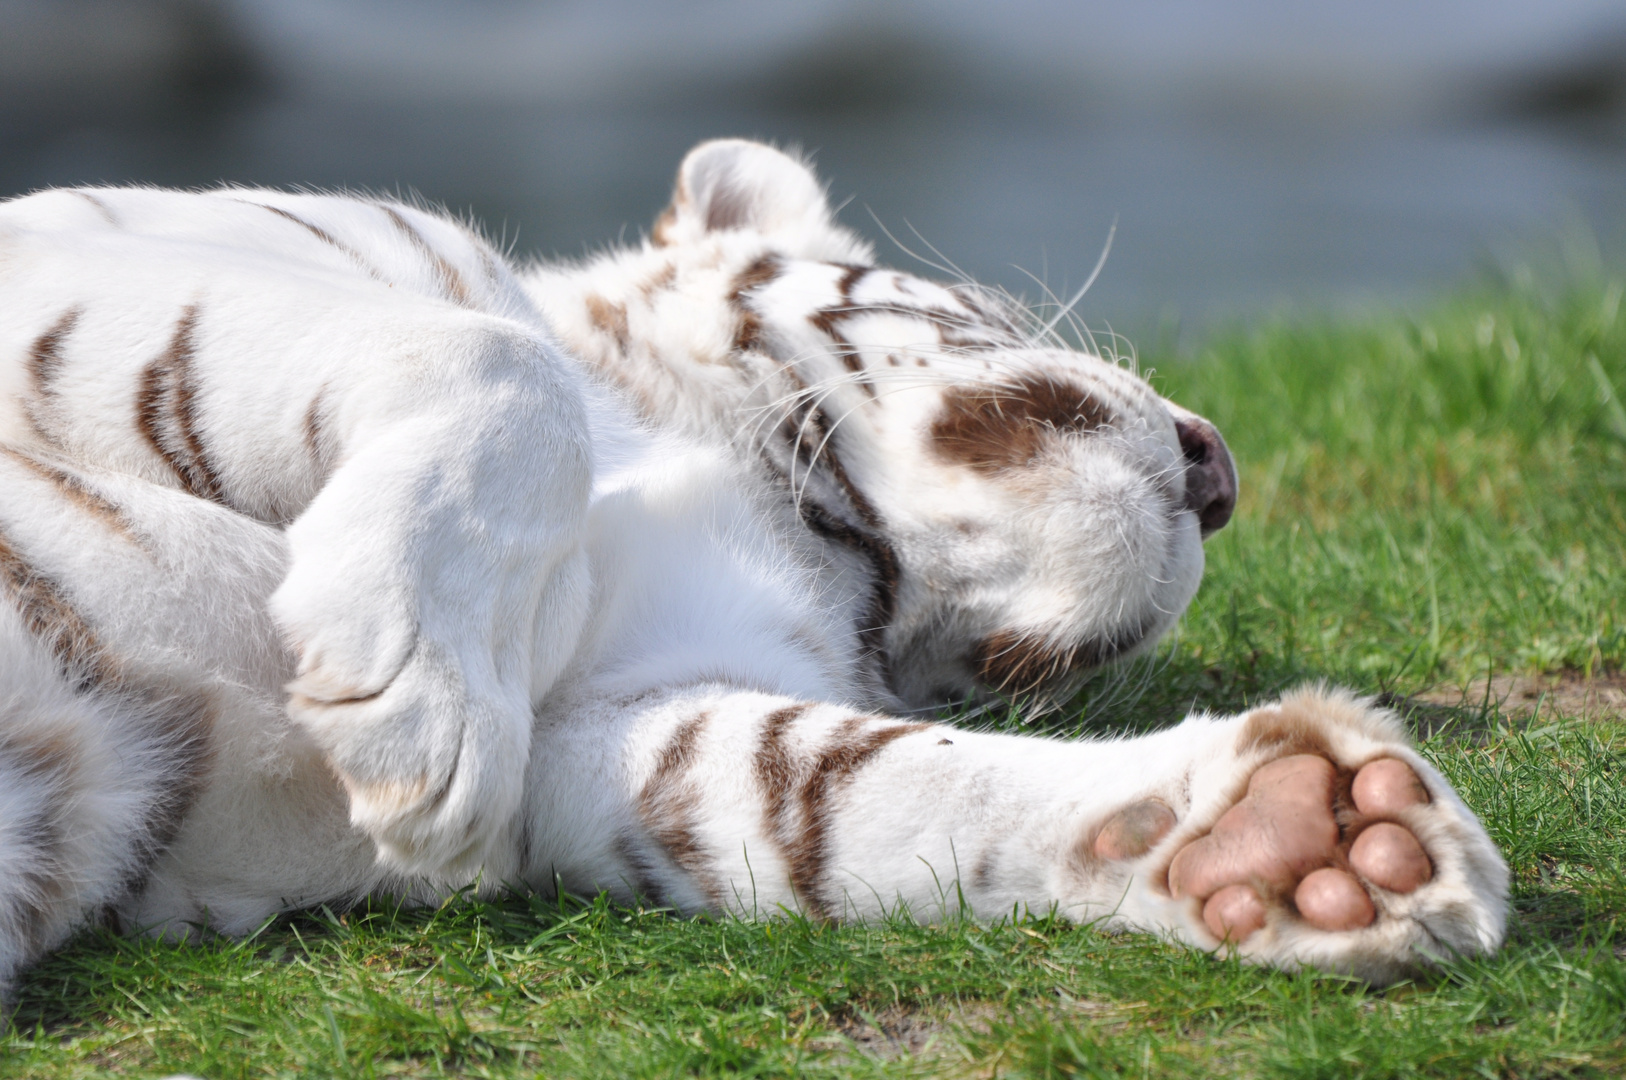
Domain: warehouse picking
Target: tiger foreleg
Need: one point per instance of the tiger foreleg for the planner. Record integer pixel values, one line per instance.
(436, 588)
(1302, 833)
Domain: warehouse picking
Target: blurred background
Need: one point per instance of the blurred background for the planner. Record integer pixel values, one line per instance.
(1257, 155)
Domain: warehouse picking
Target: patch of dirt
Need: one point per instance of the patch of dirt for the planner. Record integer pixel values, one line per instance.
(1567, 694)
(1472, 712)
(896, 1031)
(892, 1033)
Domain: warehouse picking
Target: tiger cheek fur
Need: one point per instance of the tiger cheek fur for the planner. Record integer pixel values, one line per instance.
(337, 556)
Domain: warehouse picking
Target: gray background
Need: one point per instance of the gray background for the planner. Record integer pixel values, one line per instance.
(1257, 155)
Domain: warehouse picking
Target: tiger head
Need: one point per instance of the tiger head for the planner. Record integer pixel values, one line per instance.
(991, 508)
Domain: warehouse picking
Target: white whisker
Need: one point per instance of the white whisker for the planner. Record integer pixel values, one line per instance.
(1106, 249)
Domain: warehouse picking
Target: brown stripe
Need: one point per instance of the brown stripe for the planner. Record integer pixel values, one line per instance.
(805, 417)
(315, 433)
(180, 726)
(860, 502)
(101, 205)
(974, 330)
(666, 804)
(52, 620)
(988, 313)
(872, 546)
(75, 490)
(869, 541)
(44, 365)
(661, 234)
(645, 883)
(45, 354)
(179, 736)
(323, 235)
(851, 275)
(1016, 662)
(184, 724)
(42, 830)
(609, 318)
(762, 271)
(985, 327)
(450, 280)
(835, 768)
(827, 319)
(867, 538)
(801, 417)
(775, 772)
(1013, 661)
(661, 279)
(166, 412)
(838, 470)
(677, 755)
(883, 560)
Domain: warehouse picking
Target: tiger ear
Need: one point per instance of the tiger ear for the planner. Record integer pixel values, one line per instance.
(738, 185)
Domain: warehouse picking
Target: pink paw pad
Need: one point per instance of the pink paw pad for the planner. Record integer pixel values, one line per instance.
(1285, 845)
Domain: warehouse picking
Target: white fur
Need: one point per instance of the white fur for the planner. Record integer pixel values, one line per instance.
(458, 602)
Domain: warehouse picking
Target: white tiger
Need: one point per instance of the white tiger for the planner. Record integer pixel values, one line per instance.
(336, 557)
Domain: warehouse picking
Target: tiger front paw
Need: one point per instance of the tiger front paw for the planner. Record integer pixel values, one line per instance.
(1320, 839)
(1284, 844)
(417, 681)
(433, 767)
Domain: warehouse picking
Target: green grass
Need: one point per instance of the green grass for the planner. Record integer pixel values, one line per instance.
(1425, 500)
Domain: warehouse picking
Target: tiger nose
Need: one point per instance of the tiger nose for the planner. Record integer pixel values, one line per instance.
(1210, 473)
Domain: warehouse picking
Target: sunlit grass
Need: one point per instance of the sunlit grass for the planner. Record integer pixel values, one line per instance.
(1424, 501)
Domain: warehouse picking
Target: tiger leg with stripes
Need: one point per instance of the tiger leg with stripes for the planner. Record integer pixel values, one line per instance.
(92, 787)
(649, 779)
(150, 777)
(370, 377)
(115, 698)
(1304, 832)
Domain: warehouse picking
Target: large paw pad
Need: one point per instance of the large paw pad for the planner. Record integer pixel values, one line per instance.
(1308, 840)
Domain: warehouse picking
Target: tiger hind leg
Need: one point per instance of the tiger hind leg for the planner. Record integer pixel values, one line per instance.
(92, 785)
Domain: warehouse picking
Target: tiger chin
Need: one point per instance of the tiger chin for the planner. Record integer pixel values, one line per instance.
(340, 556)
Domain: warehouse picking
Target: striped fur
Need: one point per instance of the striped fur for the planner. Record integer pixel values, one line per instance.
(337, 556)
(166, 411)
(951, 464)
